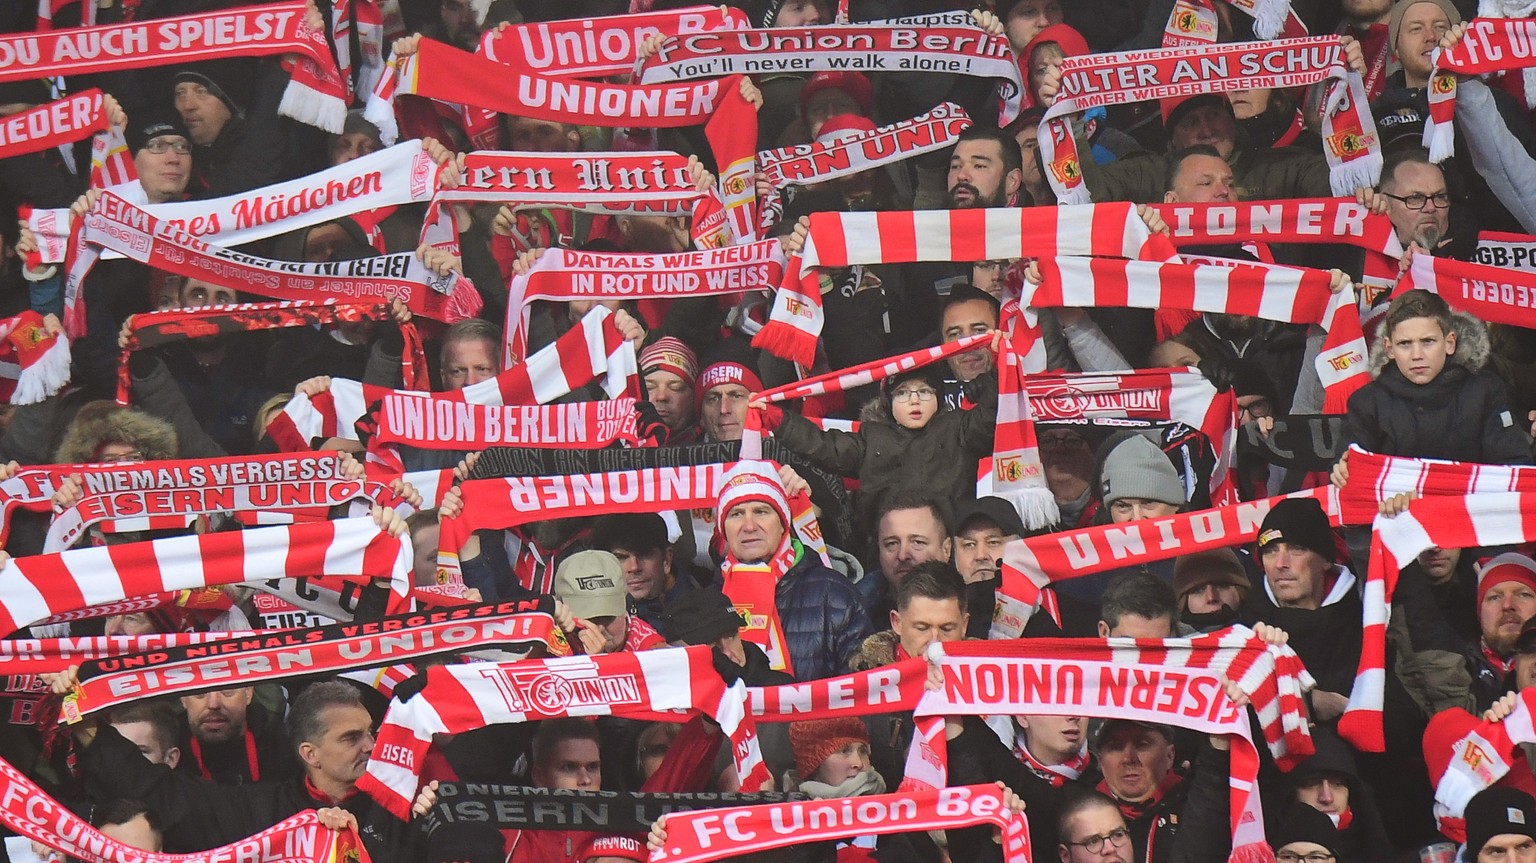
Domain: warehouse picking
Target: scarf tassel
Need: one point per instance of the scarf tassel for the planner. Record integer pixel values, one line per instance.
(1036, 505)
(312, 107)
(1253, 852)
(44, 377)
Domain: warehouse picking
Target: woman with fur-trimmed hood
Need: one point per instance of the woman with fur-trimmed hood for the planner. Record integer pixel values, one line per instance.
(103, 431)
(1432, 396)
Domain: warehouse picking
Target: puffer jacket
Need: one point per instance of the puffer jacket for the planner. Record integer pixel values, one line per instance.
(1461, 415)
(824, 621)
(938, 459)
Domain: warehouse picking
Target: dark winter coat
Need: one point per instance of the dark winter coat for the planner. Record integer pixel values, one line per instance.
(824, 621)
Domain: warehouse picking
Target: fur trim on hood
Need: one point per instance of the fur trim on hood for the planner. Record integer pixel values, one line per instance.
(877, 650)
(1472, 349)
(152, 436)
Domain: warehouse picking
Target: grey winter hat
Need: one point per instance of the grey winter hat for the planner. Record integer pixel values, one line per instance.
(1136, 468)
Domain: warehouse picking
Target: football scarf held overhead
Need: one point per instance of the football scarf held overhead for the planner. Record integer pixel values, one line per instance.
(1288, 295)
(39, 587)
(1373, 478)
(651, 684)
(563, 275)
(52, 125)
(520, 627)
(315, 95)
(716, 834)
(516, 807)
(844, 239)
(1494, 294)
(28, 811)
(805, 164)
(421, 421)
(594, 350)
(1490, 45)
(47, 655)
(153, 329)
(115, 224)
(162, 494)
(401, 174)
(598, 47)
(1349, 135)
(852, 48)
(33, 364)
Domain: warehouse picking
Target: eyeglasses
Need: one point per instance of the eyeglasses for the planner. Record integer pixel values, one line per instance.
(916, 395)
(1417, 200)
(159, 146)
(1117, 837)
(1061, 442)
(114, 458)
(1293, 857)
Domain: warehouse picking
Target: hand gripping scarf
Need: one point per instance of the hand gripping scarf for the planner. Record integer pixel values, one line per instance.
(854, 48)
(651, 685)
(315, 93)
(650, 183)
(438, 71)
(1296, 220)
(520, 627)
(845, 239)
(153, 329)
(1349, 135)
(1480, 754)
(594, 350)
(33, 364)
(118, 225)
(818, 162)
(1495, 294)
(30, 812)
(39, 587)
(164, 494)
(1173, 681)
(1373, 478)
(563, 275)
(1291, 295)
(402, 174)
(598, 48)
(718, 834)
(1491, 45)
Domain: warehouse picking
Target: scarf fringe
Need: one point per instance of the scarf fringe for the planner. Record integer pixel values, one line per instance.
(787, 342)
(313, 108)
(1345, 178)
(45, 377)
(1269, 21)
(1253, 852)
(1036, 505)
(1439, 140)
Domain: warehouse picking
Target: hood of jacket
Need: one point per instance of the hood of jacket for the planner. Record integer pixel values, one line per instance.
(877, 650)
(1472, 345)
(153, 437)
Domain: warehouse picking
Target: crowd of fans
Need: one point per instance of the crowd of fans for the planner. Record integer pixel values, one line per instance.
(914, 555)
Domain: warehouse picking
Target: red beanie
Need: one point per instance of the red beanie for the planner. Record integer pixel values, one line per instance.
(1508, 566)
(840, 126)
(814, 740)
(722, 373)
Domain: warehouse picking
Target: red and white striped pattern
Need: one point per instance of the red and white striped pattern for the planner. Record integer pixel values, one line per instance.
(844, 239)
(33, 364)
(1481, 757)
(39, 587)
(1287, 294)
(1373, 478)
(111, 163)
(651, 684)
(48, 9)
(593, 350)
(1016, 473)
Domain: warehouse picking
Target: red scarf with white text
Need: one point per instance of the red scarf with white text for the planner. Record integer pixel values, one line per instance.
(1495, 294)
(600, 47)
(1350, 142)
(1490, 45)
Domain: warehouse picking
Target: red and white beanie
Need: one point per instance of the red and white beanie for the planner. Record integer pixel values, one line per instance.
(726, 372)
(843, 126)
(1509, 566)
(751, 481)
(669, 354)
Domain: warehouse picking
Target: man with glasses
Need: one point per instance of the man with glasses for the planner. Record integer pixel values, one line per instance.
(1417, 201)
(1092, 830)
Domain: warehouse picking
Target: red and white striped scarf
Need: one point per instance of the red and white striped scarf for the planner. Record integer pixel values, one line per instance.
(964, 50)
(153, 329)
(1495, 294)
(1350, 142)
(717, 834)
(33, 364)
(594, 350)
(1286, 294)
(1193, 22)
(1292, 220)
(1482, 756)
(651, 685)
(47, 10)
(401, 174)
(517, 628)
(38, 587)
(649, 183)
(114, 223)
(1490, 45)
(363, 17)
(1373, 478)
(1177, 680)
(563, 275)
(844, 239)
(165, 494)
(30, 812)
(598, 48)
(111, 163)
(818, 162)
(315, 94)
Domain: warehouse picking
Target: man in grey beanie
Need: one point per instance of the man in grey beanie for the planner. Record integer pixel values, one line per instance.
(1138, 481)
